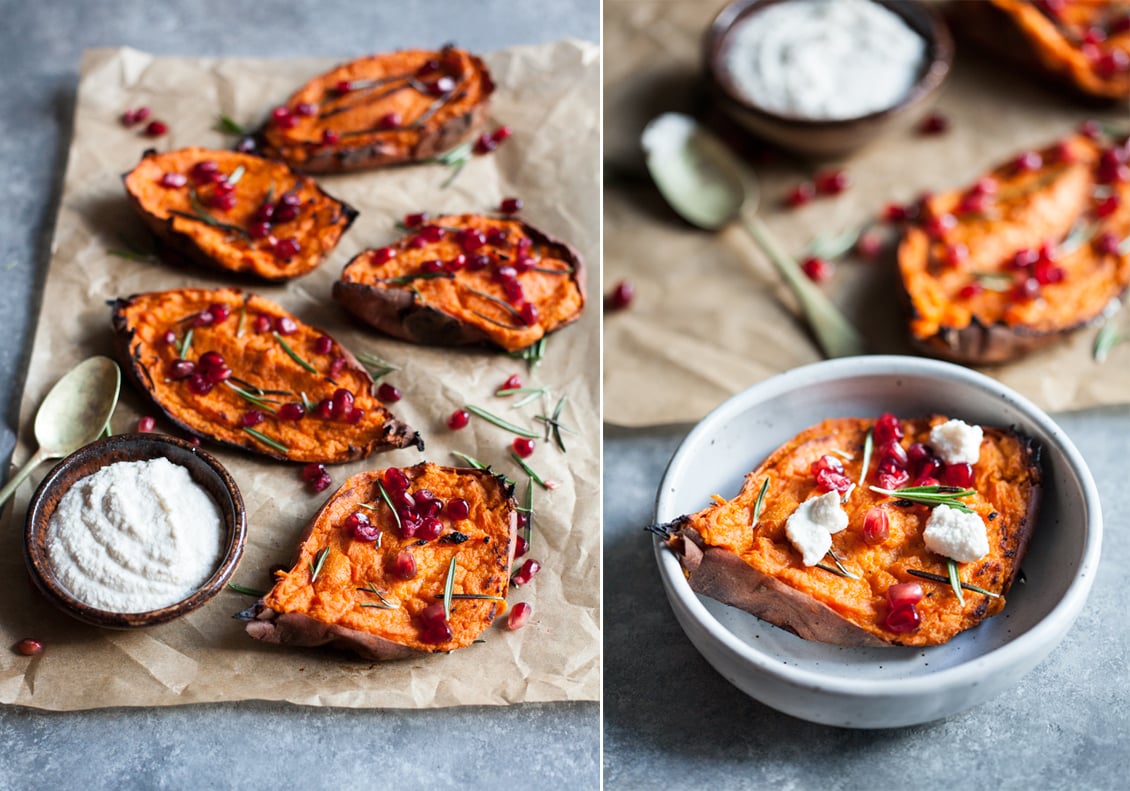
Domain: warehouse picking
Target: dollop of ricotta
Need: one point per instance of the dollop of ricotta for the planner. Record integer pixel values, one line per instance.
(824, 59)
(957, 442)
(956, 534)
(135, 536)
(810, 527)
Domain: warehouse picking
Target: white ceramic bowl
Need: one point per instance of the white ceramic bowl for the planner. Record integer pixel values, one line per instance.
(882, 687)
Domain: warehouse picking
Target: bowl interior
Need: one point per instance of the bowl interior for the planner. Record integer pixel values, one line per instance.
(741, 433)
(204, 469)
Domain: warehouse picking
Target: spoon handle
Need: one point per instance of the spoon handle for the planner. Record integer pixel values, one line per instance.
(13, 484)
(834, 333)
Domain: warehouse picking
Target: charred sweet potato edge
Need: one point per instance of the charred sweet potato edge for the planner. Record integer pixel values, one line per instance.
(762, 573)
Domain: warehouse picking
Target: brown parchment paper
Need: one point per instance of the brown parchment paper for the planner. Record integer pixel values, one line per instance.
(711, 316)
(549, 96)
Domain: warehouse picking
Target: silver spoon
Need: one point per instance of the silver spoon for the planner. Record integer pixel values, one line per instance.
(709, 187)
(74, 413)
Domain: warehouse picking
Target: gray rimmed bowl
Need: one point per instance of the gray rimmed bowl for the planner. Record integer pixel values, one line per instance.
(205, 471)
(829, 138)
(896, 686)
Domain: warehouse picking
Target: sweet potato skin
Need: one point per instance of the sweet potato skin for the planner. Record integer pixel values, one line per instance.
(361, 142)
(437, 312)
(319, 227)
(139, 321)
(331, 610)
(758, 570)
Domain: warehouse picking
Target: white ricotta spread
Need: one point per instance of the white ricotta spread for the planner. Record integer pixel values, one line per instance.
(957, 442)
(810, 527)
(135, 536)
(824, 59)
(956, 534)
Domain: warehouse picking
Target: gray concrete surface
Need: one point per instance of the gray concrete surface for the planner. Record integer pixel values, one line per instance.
(671, 721)
(254, 745)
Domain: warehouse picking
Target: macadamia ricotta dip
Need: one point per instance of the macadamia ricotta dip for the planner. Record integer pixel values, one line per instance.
(135, 536)
(823, 59)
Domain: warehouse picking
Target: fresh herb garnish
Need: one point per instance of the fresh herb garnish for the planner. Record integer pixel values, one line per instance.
(316, 566)
(403, 279)
(266, 440)
(482, 596)
(247, 591)
(955, 581)
(1106, 340)
(533, 392)
(133, 255)
(185, 345)
(478, 465)
(253, 399)
(448, 588)
(228, 126)
(201, 214)
(760, 502)
(293, 354)
(554, 426)
(931, 495)
(529, 471)
(385, 603)
(237, 174)
(993, 281)
(840, 569)
(501, 303)
(242, 321)
(868, 444)
(455, 158)
(532, 354)
(503, 424)
(939, 578)
(388, 502)
(376, 366)
(835, 246)
(528, 530)
(1079, 235)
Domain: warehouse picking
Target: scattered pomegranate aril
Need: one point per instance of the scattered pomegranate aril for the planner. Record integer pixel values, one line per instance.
(382, 255)
(894, 452)
(204, 319)
(313, 471)
(431, 233)
(510, 205)
(1107, 206)
(180, 369)
(252, 417)
(887, 428)
(1107, 243)
(1026, 289)
(337, 365)
(970, 290)
(198, 385)
(285, 213)
(956, 254)
(330, 137)
(261, 324)
(917, 453)
(869, 245)
(221, 201)
(933, 124)
(1023, 259)
(498, 237)
(523, 446)
(458, 419)
(817, 269)
(525, 573)
(169, 337)
(504, 273)
(960, 474)
(342, 402)
(513, 290)
(513, 382)
(203, 171)
(415, 220)
(1028, 162)
(937, 227)
(500, 134)
(896, 212)
(212, 359)
(434, 627)
(283, 118)
(388, 394)
(442, 86)
(524, 264)
(323, 344)
(259, 230)
(904, 594)
(826, 462)
(286, 249)
(135, 116)
(1047, 273)
(892, 478)
(395, 480)
(146, 424)
(1119, 25)
(518, 616)
(529, 313)
(902, 619)
(325, 409)
(29, 647)
(292, 411)
(1111, 62)
(156, 128)
(458, 508)
(430, 528)
(478, 262)
(470, 239)
(390, 121)
(432, 267)
(621, 296)
(285, 325)
(224, 187)
(876, 526)
(173, 180)
(485, 144)
(831, 182)
(342, 87)
(800, 195)
(521, 545)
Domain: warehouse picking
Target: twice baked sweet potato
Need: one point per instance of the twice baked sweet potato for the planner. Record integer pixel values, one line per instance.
(1035, 249)
(377, 581)
(238, 369)
(237, 212)
(380, 110)
(1083, 44)
(740, 552)
(467, 279)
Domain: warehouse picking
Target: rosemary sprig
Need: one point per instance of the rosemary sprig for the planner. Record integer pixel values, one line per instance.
(482, 596)
(251, 398)
(247, 591)
(237, 174)
(259, 391)
(133, 255)
(939, 578)
(841, 570)
(501, 423)
(403, 279)
(1079, 235)
(201, 214)
(376, 366)
(529, 471)
(760, 502)
(955, 581)
(496, 322)
(293, 354)
(388, 502)
(185, 345)
(843, 454)
(868, 446)
(470, 460)
(455, 158)
(503, 392)
(545, 270)
(931, 495)
(228, 126)
(501, 303)
(555, 426)
(385, 603)
(532, 354)
(316, 566)
(835, 246)
(993, 281)
(270, 443)
(242, 321)
(448, 588)
(528, 530)
(1106, 340)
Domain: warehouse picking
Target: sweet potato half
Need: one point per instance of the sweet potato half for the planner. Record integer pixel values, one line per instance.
(237, 212)
(238, 369)
(366, 581)
(1037, 248)
(747, 562)
(467, 279)
(1083, 44)
(380, 110)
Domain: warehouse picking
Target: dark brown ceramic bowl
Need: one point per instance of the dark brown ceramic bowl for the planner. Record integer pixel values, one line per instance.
(205, 471)
(829, 138)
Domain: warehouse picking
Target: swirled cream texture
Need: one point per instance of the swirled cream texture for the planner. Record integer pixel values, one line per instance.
(135, 536)
(824, 59)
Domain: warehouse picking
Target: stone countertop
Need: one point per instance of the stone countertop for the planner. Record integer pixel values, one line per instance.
(670, 718)
(249, 745)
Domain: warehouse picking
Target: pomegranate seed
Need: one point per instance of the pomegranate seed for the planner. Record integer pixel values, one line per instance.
(204, 170)
(521, 545)
(441, 86)
(621, 296)
(887, 428)
(337, 365)
(826, 462)
(513, 382)
(382, 255)
(529, 313)
(325, 409)
(394, 480)
(869, 245)
(430, 66)
(892, 478)
(970, 290)
(973, 203)
(430, 529)
(342, 403)
(937, 227)
(500, 134)
(478, 262)
(986, 185)
(219, 311)
(224, 187)
(498, 237)
(146, 424)
(876, 526)
(306, 109)
(523, 446)
(1107, 243)
(917, 453)
(1053, 8)
(423, 496)
(389, 121)
(1046, 273)
(902, 619)
(343, 87)
(956, 254)
(1092, 130)
(894, 452)
(199, 385)
(485, 144)
(252, 417)
(169, 337)
(222, 202)
(323, 344)
(504, 273)
(833, 481)
(285, 213)
(259, 230)
(204, 319)
(292, 411)
(180, 369)
(432, 266)
(1026, 289)
(173, 180)
(283, 119)
(363, 530)
(510, 205)
(431, 233)
(1023, 259)
(29, 647)
(435, 628)
(322, 483)
(800, 195)
(313, 471)
(525, 244)
(904, 594)
(458, 419)
(1112, 62)
(1093, 35)
(211, 360)
(1120, 24)
(929, 467)
(156, 128)
(388, 394)
(330, 137)
(1108, 205)
(817, 269)
(355, 416)
(292, 199)
(1063, 152)
(524, 264)
(831, 182)
(933, 124)
(518, 616)
(526, 573)
(285, 325)
(513, 290)
(456, 263)
(1028, 162)
(287, 249)
(470, 239)
(458, 508)
(896, 212)
(261, 324)
(957, 475)
(415, 220)
(132, 117)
